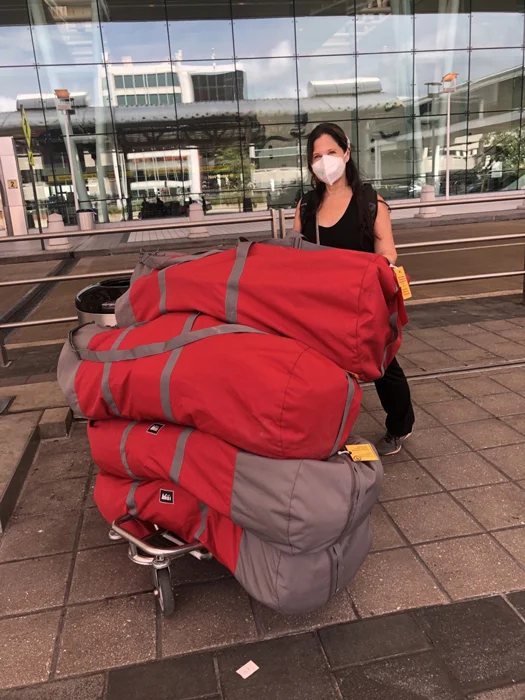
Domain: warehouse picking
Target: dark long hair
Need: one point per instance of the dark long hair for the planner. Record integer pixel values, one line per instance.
(313, 201)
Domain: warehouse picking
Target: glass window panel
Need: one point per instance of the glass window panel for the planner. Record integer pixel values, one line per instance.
(324, 27)
(88, 85)
(430, 154)
(131, 100)
(495, 150)
(152, 79)
(385, 148)
(200, 30)
(497, 26)
(263, 28)
(136, 31)
(121, 100)
(169, 79)
(139, 81)
(141, 100)
(496, 78)
(119, 81)
(436, 29)
(384, 27)
(163, 99)
(154, 99)
(209, 82)
(18, 86)
(161, 79)
(64, 33)
(385, 85)
(267, 78)
(16, 47)
(430, 67)
(323, 99)
(128, 81)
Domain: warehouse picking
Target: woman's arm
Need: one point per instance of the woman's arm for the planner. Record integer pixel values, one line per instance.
(384, 238)
(297, 226)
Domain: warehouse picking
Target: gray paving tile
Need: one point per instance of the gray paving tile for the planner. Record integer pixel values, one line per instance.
(476, 386)
(510, 459)
(40, 499)
(116, 574)
(411, 344)
(370, 400)
(507, 404)
(482, 642)
(462, 471)
(208, 615)
(515, 381)
(393, 581)
(406, 479)
(509, 350)
(495, 506)
(488, 341)
(464, 330)
(423, 419)
(273, 624)
(36, 584)
(422, 676)
(432, 360)
(38, 535)
(86, 688)
(432, 442)
(518, 600)
(512, 692)
(514, 542)
(95, 530)
(27, 648)
(496, 326)
(487, 433)
(516, 422)
(472, 566)
(367, 424)
(190, 570)
(61, 459)
(376, 638)
(294, 665)
(171, 679)
(384, 534)
(108, 634)
(473, 354)
(457, 411)
(432, 391)
(433, 517)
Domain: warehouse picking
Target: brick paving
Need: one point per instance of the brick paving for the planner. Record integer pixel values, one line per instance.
(437, 612)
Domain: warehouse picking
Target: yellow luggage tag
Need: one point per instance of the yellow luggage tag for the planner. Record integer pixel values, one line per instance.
(362, 453)
(403, 282)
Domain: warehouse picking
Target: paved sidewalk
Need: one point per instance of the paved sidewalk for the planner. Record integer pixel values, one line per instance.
(437, 612)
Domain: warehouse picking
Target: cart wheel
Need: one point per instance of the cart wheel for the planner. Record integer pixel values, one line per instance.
(164, 591)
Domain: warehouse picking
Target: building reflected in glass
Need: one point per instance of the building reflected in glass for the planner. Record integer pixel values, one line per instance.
(212, 100)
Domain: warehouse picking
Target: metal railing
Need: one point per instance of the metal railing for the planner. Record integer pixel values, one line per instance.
(277, 220)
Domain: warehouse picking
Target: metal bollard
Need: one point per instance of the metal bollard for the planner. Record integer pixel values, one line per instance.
(282, 224)
(428, 194)
(274, 223)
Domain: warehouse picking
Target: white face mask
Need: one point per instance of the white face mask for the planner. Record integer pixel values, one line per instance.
(329, 169)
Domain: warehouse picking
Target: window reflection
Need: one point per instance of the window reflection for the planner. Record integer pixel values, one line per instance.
(263, 28)
(497, 25)
(440, 26)
(385, 26)
(430, 67)
(16, 47)
(135, 31)
(496, 79)
(324, 27)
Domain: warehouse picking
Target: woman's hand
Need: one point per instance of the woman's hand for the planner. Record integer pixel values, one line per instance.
(384, 238)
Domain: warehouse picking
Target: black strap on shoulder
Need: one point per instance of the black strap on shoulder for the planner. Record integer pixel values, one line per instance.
(370, 196)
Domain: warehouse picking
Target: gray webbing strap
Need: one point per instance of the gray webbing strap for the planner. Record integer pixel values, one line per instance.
(158, 348)
(232, 286)
(105, 387)
(123, 456)
(157, 262)
(131, 504)
(204, 513)
(346, 411)
(167, 371)
(178, 455)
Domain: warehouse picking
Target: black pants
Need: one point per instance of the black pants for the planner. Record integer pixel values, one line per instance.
(394, 394)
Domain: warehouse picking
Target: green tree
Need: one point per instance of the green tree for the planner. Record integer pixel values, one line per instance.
(238, 170)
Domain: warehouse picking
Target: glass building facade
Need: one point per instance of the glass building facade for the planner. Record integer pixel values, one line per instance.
(214, 99)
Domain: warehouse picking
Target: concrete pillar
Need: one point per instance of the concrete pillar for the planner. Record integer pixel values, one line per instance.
(197, 214)
(55, 224)
(428, 194)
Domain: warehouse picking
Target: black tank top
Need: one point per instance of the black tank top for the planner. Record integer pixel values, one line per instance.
(343, 234)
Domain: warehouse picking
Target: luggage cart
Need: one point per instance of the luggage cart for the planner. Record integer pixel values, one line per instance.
(157, 549)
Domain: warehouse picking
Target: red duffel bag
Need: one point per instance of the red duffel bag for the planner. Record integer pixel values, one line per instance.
(295, 505)
(263, 393)
(344, 304)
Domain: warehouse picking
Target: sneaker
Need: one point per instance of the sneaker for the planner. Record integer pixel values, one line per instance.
(390, 444)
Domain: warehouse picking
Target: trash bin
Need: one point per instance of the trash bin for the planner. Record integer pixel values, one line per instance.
(96, 303)
(86, 219)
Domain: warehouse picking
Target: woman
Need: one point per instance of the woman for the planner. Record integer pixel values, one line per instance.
(342, 212)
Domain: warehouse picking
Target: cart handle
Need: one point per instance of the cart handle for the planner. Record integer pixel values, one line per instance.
(148, 549)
